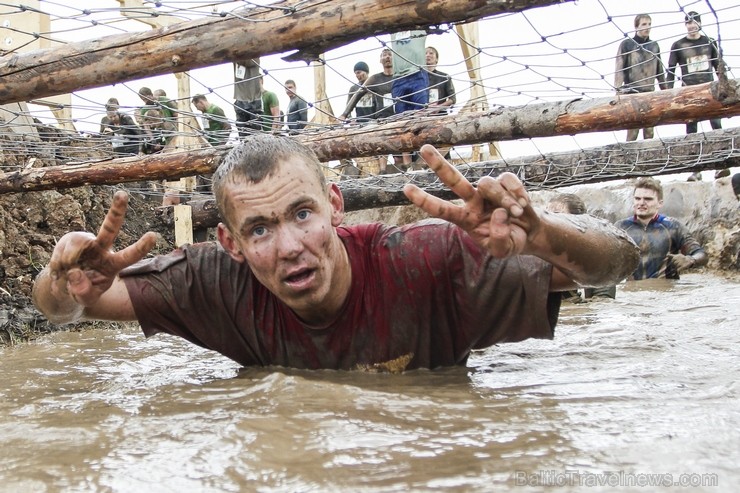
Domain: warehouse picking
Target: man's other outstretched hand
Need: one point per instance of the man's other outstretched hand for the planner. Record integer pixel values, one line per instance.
(497, 213)
(83, 266)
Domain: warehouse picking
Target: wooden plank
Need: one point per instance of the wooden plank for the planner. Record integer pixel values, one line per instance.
(183, 224)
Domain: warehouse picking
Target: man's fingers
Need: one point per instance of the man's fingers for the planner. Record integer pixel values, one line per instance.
(434, 206)
(424, 201)
(501, 244)
(515, 187)
(113, 220)
(67, 252)
(448, 174)
(505, 191)
(133, 253)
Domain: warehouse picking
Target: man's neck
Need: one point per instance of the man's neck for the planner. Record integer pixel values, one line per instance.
(388, 70)
(431, 68)
(694, 36)
(645, 221)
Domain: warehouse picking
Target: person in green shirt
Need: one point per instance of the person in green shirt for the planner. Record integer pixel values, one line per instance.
(270, 109)
(216, 126)
(156, 100)
(166, 106)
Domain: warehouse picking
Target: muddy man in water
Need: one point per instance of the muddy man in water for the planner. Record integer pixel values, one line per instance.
(287, 284)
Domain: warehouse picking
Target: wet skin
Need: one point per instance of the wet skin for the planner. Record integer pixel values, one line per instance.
(284, 227)
(646, 204)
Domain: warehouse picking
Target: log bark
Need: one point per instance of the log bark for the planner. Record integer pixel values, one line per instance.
(697, 152)
(540, 120)
(570, 117)
(311, 27)
(122, 170)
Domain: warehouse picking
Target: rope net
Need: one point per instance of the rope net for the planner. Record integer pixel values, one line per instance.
(546, 54)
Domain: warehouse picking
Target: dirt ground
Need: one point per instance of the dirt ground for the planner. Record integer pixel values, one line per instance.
(32, 222)
(30, 225)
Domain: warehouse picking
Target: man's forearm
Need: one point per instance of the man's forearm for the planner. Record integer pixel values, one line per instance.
(591, 251)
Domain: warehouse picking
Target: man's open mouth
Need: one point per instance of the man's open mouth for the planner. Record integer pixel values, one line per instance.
(300, 277)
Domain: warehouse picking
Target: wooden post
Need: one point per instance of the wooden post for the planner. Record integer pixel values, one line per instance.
(324, 115)
(478, 100)
(15, 32)
(183, 225)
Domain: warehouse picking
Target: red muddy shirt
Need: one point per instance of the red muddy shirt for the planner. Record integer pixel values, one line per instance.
(422, 296)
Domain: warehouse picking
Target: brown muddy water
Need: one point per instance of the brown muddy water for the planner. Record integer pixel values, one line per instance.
(635, 394)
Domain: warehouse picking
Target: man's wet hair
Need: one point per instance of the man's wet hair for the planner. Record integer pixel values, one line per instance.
(692, 16)
(640, 17)
(651, 184)
(257, 158)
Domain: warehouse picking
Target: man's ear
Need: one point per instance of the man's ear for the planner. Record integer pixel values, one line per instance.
(337, 205)
(229, 243)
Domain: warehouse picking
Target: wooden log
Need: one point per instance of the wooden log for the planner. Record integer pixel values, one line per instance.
(540, 120)
(718, 149)
(570, 117)
(311, 27)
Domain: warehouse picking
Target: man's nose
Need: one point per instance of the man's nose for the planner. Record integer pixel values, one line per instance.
(290, 241)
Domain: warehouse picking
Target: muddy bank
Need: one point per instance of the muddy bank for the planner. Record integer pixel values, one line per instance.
(31, 223)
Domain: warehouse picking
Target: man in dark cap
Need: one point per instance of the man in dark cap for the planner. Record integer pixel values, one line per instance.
(373, 94)
(697, 55)
(364, 107)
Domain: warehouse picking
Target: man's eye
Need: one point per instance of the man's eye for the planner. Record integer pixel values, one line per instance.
(303, 214)
(259, 231)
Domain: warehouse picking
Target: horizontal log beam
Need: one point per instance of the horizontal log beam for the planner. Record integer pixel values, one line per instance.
(540, 120)
(718, 149)
(311, 27)
(700, 102)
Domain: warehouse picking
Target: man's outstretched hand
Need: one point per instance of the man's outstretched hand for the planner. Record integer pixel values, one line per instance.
(84, 266)
(497, 213)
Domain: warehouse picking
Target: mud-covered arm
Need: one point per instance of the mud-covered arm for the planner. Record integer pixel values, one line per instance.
(498, 215)
(81, 280)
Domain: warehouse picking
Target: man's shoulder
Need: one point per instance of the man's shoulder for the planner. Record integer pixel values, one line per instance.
(197, 253)
(652, 45)
(627, 44)
(436, 75)
(435, 228)
(680, 43)
(668, 221)
(378, 78)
